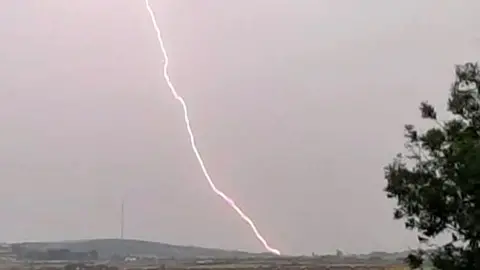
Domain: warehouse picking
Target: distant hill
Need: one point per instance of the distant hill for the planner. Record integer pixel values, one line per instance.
(108, 247)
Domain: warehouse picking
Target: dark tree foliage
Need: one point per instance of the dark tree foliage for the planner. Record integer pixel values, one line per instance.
(436, 183)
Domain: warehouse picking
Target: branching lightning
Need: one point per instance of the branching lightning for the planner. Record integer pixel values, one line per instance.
(179, 98)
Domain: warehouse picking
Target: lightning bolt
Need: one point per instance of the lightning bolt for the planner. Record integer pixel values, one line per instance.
(180, 99)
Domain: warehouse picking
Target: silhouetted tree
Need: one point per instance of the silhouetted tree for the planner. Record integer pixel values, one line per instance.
(436, 184)
(339, 253)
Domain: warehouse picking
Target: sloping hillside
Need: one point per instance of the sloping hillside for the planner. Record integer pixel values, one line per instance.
(108, 247)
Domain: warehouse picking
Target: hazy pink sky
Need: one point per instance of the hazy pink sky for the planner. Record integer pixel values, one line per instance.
(297, 106)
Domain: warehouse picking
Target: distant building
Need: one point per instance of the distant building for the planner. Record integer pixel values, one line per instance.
(130, 259)
(141, 257)
(6, 253)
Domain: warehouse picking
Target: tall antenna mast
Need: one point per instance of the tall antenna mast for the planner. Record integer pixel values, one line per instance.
(122, 221)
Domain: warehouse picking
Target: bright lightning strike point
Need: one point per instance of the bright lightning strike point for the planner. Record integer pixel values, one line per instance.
(179, 98)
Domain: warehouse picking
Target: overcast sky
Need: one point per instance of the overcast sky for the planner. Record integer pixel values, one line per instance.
(296, 105)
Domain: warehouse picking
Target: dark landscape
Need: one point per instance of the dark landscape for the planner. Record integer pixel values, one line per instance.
(136, 254)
